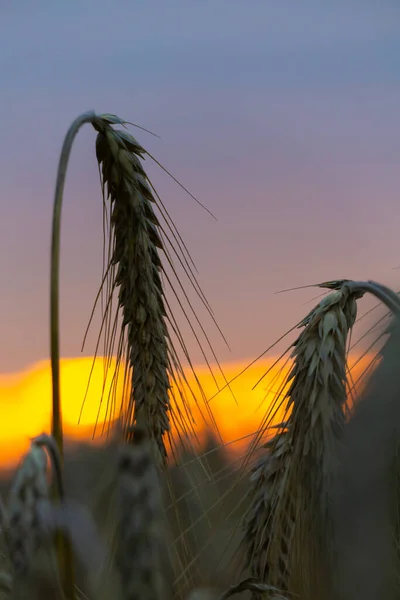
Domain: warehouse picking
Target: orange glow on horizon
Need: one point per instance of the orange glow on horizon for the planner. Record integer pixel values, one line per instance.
(25, 401)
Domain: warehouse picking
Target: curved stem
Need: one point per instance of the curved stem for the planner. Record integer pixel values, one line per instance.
(381, 292)
(57, 431)
(64, 550)
(388, 291)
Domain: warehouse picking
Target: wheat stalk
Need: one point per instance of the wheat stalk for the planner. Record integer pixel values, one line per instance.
(62, 540)
(57, 430)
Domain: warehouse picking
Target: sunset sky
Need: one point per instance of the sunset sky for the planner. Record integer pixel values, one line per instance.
(281, 117)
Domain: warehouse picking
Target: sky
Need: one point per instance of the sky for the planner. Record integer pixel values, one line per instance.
(238, 412)
(281, 117)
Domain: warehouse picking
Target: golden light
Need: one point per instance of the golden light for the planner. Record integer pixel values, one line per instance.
(25, 401)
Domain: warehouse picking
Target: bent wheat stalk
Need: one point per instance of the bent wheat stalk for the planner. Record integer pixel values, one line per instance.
(63, 548)
(55, 275)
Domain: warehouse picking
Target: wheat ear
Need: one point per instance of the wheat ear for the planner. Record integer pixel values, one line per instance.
(315, 398)
(23, 531)
(140, 547)
(316, 401)
(317, 394)
(29, 541)
(135, 267)
(140, 290)
(137, 239)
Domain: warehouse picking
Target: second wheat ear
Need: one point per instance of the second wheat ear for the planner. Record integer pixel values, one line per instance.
(289, 527)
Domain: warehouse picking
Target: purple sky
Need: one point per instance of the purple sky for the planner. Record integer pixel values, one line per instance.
(282, 117)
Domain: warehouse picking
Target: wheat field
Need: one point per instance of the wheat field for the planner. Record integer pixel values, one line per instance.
(309, 511)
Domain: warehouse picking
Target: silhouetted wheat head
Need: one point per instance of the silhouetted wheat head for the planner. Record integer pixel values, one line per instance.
(143, 254)
(290, 525)
(137, 263)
